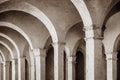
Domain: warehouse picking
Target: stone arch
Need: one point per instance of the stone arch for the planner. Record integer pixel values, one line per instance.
(112, 5)
(6, 52)
(111, 11)
(112, 32)
(110, 42)
(83, 11)
(48, 42)
(73, 36)
(26, 53)
(15, 27)
(81, 48)
(4, 59)
(30, 9)
(5, 45)
(15, 45)
(69, 27)
(117, 41)
(1, 58)
(10, 45)
(116, 49)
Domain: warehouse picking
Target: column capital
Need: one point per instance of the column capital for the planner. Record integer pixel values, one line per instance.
(91, 27)
(6, 63)
(39, 52)
(71, 59)
(14, 61)
(111, 55)
(92, 32)
(22, 57)
(58, 43)
(95, 38)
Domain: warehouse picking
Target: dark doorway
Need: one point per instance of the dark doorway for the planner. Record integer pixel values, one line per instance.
(26, 70)
(65, 67)
(10, 69)
(118, 66)
(79, 66)
(50, 64)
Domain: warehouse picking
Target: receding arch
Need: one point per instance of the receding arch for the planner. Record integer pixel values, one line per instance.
(111, 33)
(70, 27)
(83, 11)
(15, 27)
(110, 12)
(6, 52)
(1, 58)
(116, 49)
(116, 43)
(80, 44)
(73, 36)
(30, 9)
(5, 45)
(14, 44)
(4, 59)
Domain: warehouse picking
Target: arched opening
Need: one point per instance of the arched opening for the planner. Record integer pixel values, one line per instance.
(10, 69)
(105, 66)
(26, 70)
(118, 65)
(65, 66)
(104, 62)
(50, 64)
(79, 68)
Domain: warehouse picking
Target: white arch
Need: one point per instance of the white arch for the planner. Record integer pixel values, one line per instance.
(83, 11)
(30, 9)
(9, 49)
(2, 55)
(1, 58)
(115, 45)
(14, 44)
(15, 27)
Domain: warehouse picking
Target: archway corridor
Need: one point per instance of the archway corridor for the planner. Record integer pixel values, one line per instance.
(59, 40)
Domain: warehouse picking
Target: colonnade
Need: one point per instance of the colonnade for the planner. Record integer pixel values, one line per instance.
(93, 65)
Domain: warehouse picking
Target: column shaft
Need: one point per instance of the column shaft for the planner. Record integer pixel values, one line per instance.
(58, 61)
(14, 69)
(40, 60)
(94, 66)
(32, 72)
(21, 68)
(6, 70)
(111, 65)
(71, 68)
(1, 71)
(32, 66)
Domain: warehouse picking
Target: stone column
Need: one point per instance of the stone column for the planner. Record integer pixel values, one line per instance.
(1, 71)
(111, 58)
(58, 61)
(32, 65)
(21, 68)
(14, 69)
(71, 67)
(40, 61)
(6, 70)
(94, 66)
(32, 72)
